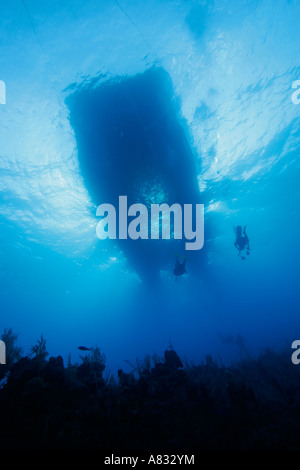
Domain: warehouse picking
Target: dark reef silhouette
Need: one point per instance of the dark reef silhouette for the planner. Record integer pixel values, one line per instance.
(162, 404)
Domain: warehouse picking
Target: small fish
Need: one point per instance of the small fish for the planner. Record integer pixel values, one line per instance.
(83, 348)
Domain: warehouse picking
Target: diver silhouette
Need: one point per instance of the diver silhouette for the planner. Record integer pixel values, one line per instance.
(179, 269)
(241, 241)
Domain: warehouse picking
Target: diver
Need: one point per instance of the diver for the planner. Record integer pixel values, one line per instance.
(179, 269)
(242, 241)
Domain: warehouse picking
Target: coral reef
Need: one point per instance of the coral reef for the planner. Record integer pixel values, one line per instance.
(160, 405)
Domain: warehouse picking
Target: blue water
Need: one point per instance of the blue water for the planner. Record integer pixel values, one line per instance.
(212, 83)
